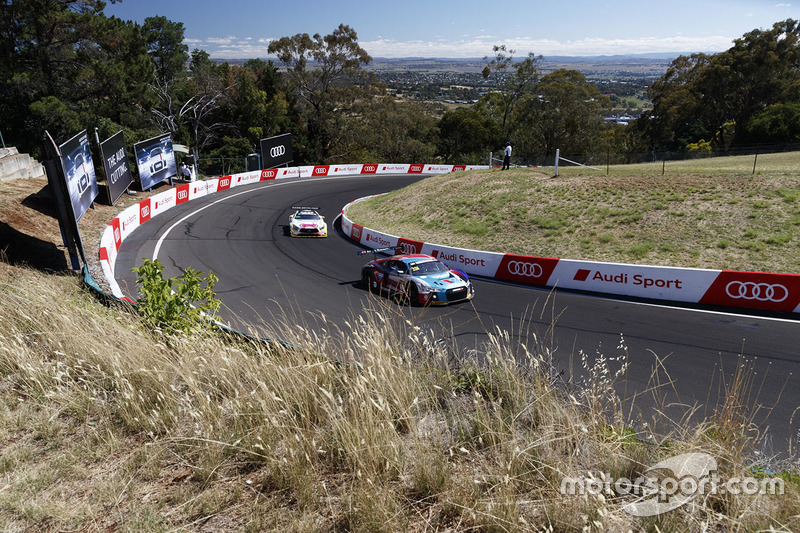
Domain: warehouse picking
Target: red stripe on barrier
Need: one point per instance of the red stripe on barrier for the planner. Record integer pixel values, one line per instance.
(410, 246)
(759, 290)
(526, 269)
(144, 211)
(355, 232)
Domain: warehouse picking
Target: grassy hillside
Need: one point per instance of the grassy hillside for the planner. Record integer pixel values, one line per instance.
(709, 213)
(107, 426)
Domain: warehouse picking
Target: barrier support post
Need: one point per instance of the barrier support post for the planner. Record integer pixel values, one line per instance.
(558, 156)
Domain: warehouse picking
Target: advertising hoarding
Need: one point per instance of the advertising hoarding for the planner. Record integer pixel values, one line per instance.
(155, 160)
(276, 151)
(115, 163)
(76, 160)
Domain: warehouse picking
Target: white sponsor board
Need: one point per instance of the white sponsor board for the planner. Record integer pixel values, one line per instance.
(438, 169)
(644, 281)
(344, 170)
(128, 220)
(199, 189)
(470, 261)
(247, 177)
(304, 172)
(389, 168)
(376, 239)
(162, 201)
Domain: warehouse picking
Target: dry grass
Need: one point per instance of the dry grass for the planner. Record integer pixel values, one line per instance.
(709, 213)
(375, 426)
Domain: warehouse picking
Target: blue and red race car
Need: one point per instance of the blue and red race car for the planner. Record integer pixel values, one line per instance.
(423, 279)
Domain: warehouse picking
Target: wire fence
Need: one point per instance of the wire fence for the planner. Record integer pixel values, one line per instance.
(747, 155)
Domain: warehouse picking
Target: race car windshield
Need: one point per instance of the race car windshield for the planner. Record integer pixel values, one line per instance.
(428, 267)
(306, 216)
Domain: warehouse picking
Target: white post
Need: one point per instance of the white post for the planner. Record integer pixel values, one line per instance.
(490, 159)
(558, 156)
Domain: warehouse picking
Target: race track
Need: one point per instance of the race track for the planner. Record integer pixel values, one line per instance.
(241, 235)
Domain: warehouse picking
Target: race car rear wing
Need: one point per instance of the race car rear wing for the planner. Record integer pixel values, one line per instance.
(304, 207)
(389, 249)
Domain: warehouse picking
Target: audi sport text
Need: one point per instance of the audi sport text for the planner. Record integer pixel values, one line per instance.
(624, 279)
(459, 258)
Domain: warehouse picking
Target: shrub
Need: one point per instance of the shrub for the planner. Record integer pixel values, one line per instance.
(176, 304)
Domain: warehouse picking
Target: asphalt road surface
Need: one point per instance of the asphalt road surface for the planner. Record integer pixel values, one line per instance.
(242, 235)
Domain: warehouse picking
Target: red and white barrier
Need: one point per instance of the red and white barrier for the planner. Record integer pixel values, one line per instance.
(755, 290)
(134, 216)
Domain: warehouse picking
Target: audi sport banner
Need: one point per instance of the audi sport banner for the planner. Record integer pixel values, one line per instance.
(276, 151)
(155, 160)
(76, 159)
(115, 162)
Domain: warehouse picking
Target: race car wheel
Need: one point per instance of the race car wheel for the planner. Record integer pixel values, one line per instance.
(372, 281)
(413, 294)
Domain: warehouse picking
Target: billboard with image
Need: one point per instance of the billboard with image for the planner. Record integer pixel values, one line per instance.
(155, 160)
(76, 160)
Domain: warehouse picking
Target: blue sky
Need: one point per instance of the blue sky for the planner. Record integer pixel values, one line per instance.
(229, 29)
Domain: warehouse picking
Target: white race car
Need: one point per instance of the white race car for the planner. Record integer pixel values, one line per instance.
(307, 222)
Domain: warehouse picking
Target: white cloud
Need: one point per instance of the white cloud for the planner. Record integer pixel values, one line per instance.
(235, 48)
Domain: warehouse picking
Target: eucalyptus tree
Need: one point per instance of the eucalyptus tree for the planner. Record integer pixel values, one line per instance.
(565, 112)
(701, 96)
(512, 80)
(326, 78)
(467, 136)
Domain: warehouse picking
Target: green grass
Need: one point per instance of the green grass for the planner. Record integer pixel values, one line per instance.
(706, 213)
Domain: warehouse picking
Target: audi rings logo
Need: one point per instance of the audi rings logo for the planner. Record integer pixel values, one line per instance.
(277, 151)
(762, 292)
(522, 268)
(408, 248)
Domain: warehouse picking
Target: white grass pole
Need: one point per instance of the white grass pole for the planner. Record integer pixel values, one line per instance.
(558, 156)
(491, 162)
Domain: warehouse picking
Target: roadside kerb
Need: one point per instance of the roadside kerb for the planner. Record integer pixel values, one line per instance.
(752, 290)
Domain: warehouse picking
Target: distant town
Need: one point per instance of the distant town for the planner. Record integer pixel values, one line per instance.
(456, 82)
(459, 82)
